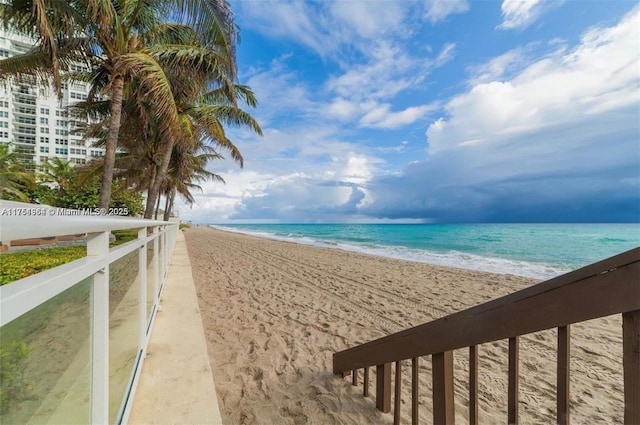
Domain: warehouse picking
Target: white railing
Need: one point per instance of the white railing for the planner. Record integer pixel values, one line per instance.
(73, 338)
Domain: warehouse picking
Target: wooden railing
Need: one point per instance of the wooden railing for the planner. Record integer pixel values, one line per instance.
(611, 286)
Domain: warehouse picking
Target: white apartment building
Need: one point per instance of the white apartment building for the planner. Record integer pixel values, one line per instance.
(34, 120)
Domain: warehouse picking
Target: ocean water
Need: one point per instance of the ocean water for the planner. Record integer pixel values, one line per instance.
(539, 251)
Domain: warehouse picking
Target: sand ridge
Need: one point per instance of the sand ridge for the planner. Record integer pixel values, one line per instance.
(275, 312)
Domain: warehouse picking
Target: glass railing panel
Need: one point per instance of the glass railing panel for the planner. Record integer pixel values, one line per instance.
(150, 280)
(44, 361)
(123, 329)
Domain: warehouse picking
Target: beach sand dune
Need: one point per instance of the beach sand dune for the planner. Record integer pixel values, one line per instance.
(275, 312)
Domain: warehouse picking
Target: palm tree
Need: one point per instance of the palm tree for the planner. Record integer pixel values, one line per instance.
(187, 168)
(205, 99)
(58, 171)
(108, 34)
(16, 179)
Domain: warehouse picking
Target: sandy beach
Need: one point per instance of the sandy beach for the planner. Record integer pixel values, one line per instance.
(274, 313)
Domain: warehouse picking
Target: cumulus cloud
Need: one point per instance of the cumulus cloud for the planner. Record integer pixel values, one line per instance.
(532, 137)
(598, 75)
(555, 139)
(326, 192)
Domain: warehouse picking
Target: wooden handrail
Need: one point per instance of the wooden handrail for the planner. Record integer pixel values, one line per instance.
(608, 287)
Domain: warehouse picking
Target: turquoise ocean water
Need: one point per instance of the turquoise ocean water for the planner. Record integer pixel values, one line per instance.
(540, 251)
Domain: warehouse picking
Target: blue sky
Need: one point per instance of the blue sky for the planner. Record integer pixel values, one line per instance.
(435, 111)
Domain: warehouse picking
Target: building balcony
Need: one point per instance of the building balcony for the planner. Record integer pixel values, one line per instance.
(24, 99)
(25, 111)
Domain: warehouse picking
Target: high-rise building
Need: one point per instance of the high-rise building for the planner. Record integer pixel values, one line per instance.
(34, 120)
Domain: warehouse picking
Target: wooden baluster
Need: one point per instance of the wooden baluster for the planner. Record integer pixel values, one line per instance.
(473, 385)
(354, 377)
(365, 391)
(383, 387)
(631, 365)
(514, 369)
(414, 391)
(443, 402)
(563, 375)
(398, 390)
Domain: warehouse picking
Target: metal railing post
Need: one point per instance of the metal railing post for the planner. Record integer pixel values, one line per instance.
(156, 267)
(98, 246)
(142, 306)
(163, 262)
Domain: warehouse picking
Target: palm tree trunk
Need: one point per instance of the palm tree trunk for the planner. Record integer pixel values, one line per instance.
(112, 142)
(157, 207)
(154, 191)
(170, 199)
(165, 216)
(152, 179)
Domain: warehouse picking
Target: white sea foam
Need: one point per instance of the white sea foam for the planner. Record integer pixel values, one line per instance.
(450, 258)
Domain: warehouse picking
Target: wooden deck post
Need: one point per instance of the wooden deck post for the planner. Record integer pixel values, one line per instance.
(397, 394)
(365, 390)
(414, 390)
(473, 385)
(631, 365)
(514, 378)
(383, 387)
(562, 396)
(443, 402)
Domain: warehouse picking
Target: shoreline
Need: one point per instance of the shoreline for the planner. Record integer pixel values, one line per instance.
(275, 312)
(450, 258)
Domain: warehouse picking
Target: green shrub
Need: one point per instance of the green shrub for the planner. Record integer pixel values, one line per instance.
(18, 265)
(124, 236)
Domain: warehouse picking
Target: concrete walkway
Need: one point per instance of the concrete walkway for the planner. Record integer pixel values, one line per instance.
(176, 385)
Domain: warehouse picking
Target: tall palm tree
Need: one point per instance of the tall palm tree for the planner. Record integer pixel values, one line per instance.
(108, 34)
(205, 97)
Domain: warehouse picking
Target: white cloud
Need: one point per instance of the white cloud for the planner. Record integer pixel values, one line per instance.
(388, 71)
(292, 19)
(382, 117)
(217, 202)
(323, 192)
(498, 67)
(438, 10)
(446, 54)
(327, 27)
(519, 13)
(291, 94)
(599, 75)
(369, 21)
